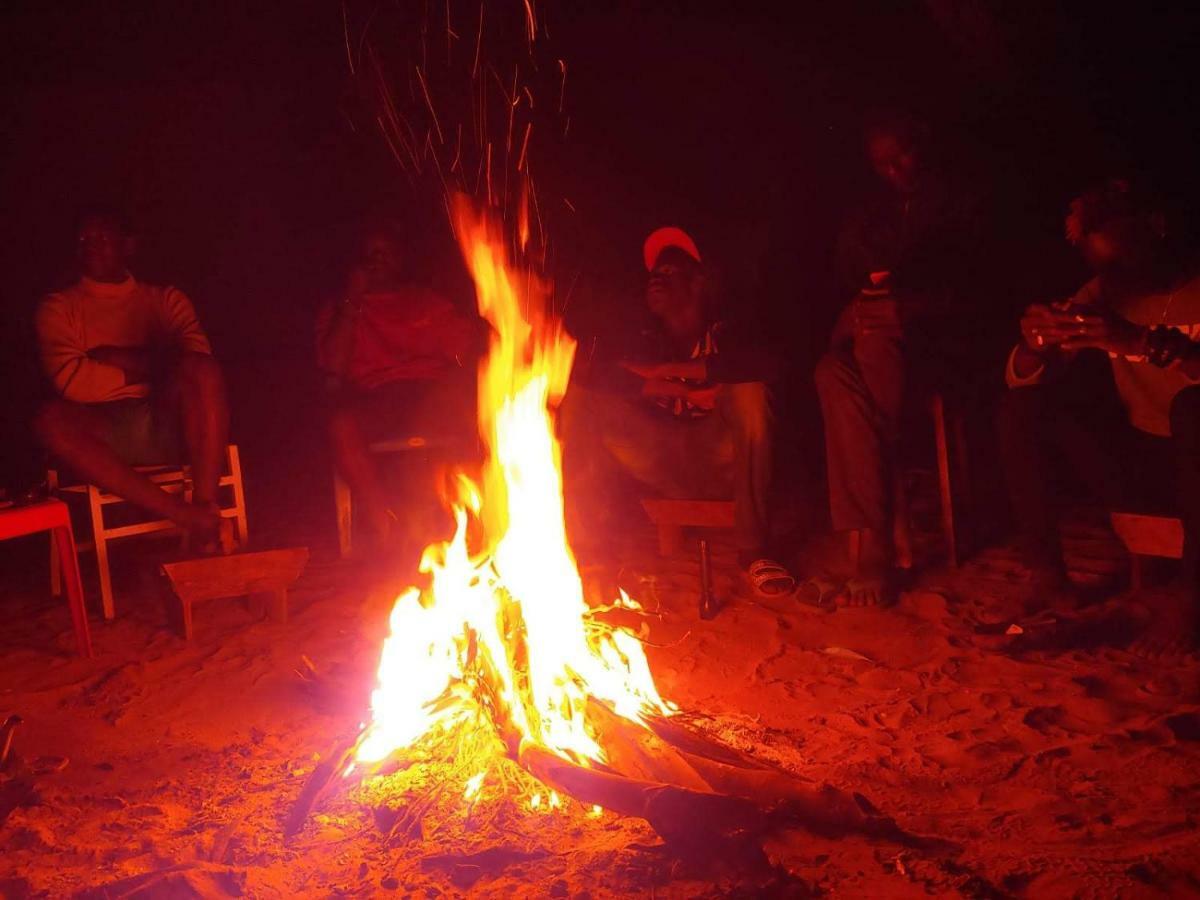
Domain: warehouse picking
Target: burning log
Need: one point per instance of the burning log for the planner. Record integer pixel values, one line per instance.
(678, 814)
(334, 763)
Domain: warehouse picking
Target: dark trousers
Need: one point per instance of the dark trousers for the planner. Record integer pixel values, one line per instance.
(727, 453)
(1125, 469)
(862, 388)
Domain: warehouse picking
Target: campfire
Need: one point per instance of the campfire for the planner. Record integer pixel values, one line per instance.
(503, 640)
(500, 672)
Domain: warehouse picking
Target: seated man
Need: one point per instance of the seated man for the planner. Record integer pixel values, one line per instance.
(697, 425)
(136, 382)
(1142, 308)
(400, 361)
(900, 256)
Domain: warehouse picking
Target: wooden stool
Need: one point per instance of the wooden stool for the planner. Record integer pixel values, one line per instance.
(264, 577)
(1147, 536)
(53, 516)
(670, 517)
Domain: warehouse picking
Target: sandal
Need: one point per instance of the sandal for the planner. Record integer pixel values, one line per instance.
(770, 578)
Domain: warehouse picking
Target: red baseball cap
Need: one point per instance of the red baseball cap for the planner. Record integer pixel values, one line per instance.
(662, 238)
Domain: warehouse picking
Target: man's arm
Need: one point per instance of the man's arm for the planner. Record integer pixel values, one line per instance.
(65, 360)
(335, 336)
(140, 365)
(181, 327)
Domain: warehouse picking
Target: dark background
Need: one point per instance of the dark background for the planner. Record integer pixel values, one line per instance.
(225, 129)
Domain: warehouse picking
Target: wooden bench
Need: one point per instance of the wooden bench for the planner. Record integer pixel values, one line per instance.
(1145, 535)
(264, 577)
(671, 516)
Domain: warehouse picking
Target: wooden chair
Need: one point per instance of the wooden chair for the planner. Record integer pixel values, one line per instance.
(53, 516)
(671, 516)
(172, 479)
(343, 502)
(954, 475)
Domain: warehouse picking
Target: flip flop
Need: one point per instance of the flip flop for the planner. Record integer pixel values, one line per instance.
(820, 591)
(764, 573)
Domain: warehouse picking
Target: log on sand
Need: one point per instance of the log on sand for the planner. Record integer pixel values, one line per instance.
(678, 814)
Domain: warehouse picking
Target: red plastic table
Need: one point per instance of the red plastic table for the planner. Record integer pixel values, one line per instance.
(53, 516)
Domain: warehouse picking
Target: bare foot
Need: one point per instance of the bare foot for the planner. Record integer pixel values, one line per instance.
(872, 583)
(867, 590)
(1171, 633)
(208, 531)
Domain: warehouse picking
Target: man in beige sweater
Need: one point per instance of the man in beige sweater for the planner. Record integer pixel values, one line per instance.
(1142, 309)
(135, 379)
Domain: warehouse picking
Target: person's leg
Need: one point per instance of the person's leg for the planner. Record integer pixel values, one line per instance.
(198, 388)
(76, 435)
(1024, 427)
(745, 409)
(859, 452)
(605, 433)
(1185, 442)
(1176, 611)
(1078, 421)
(744, 454)
(353, 460)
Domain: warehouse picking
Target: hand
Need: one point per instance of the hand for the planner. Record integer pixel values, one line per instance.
(1107, 331)
(649, 371)
(107, 354)
(877, 316)
(704, 398)
(660, 387)
(137, 363)
(1044, 328)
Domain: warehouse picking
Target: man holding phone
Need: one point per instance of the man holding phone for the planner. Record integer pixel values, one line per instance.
(902, 257)
(1142, 309)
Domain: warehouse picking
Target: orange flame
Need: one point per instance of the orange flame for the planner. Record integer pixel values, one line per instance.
(504, 638)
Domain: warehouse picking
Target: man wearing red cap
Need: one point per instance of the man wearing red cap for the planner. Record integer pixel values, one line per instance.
(696, 420)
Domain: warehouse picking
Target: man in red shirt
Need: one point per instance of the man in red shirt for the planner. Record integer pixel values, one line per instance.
(399, 357)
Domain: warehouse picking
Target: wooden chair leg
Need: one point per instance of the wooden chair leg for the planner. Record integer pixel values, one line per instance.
(670, 539)
(185, 618)
(64, 542)
(943, 465)
(239, 494)
(962, 473)
(56, 587)
(345, 515)
(1135, 572)
(55, 572)
(901, 524)
(277, 605)
(98, 535)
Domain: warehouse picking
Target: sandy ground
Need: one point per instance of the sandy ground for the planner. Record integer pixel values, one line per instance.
(1058, 772)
